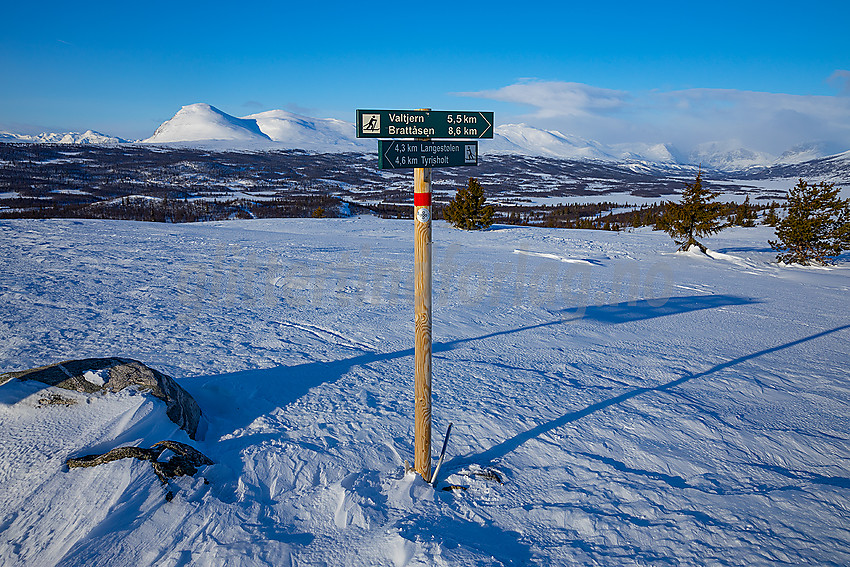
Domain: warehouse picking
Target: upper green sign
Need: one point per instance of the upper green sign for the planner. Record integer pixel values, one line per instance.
(424, 124)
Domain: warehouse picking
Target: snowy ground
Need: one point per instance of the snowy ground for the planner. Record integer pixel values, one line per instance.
(640, 406)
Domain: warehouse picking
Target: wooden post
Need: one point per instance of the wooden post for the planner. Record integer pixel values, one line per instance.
(422, 317)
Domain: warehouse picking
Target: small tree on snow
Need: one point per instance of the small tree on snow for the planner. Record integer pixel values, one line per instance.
(816, 226)
(467, 210)
(771, 218)
(745, 214)
(697, 215)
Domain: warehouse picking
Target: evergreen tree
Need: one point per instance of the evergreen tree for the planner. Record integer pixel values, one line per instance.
(771, 218)
(745, 214)
(698, 215)
(467, 210)
(816, 226)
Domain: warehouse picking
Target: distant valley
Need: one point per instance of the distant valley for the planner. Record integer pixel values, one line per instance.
(204, 164)
(176, 184)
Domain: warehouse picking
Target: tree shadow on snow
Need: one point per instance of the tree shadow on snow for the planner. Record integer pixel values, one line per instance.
(509, 445)
(616, 313)
(730, 249)
(239, 398)
(652, 308)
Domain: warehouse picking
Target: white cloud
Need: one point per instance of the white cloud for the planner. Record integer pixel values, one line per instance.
(768, 122)
(558, 99)
(763, 121)
(841, 80)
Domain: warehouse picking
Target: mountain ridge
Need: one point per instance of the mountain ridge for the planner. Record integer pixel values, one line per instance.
(289, 130)
(87, 137)
(203, 125)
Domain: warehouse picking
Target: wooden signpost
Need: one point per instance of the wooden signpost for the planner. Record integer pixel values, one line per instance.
(421, 154)
(422, 318)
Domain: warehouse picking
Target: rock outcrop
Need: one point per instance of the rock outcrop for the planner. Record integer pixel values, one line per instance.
(184, 461)
(115, 374)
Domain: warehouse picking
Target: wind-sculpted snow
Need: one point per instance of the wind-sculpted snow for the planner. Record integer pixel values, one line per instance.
(614, 402)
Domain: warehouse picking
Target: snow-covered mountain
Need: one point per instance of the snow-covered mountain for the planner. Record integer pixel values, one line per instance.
(658, 153)
(295, 131)
(203, 125)
(808, 152)
(529, 140)
(833, 169)
(87, 137)
(202, 122)
(525, 139)
(727, 156)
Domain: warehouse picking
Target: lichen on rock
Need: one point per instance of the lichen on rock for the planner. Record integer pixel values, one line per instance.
(184, 462)
(93, 375)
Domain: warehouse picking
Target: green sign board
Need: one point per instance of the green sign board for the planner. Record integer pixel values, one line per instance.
(404, 154)
(424, 124)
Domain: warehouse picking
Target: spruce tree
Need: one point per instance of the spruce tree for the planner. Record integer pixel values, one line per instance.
(467, 210)
(771, 218)
(816, 226)
(745, 214)
(697, 215)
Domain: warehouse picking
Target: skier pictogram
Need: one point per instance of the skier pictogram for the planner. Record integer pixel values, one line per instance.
(371, 123)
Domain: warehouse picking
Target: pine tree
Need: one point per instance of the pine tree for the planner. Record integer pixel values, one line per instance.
(467, 210)
(771, 218)
(698, 215)
(816, 226)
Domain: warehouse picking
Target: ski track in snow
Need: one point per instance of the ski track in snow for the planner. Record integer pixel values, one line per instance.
(640, 406)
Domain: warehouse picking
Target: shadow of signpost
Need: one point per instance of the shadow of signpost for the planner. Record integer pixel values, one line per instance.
(509, 445)
(243, 396)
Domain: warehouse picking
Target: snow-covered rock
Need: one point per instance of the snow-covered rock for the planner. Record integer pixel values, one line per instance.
(113, 375)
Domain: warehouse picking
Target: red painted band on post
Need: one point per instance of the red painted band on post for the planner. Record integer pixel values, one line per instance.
(422, 199)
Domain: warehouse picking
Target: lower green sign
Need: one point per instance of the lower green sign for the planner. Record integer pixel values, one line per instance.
(403, 154)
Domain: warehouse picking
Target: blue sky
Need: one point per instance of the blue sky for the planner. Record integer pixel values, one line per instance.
(757, 73)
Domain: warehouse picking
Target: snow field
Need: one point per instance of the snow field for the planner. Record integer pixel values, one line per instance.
(639, 405)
